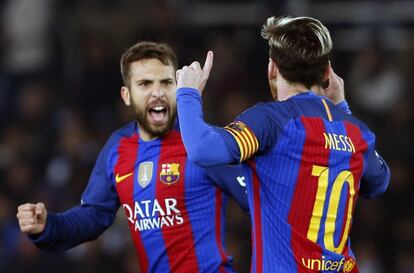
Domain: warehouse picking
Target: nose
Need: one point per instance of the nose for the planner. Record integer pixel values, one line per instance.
(158, 91)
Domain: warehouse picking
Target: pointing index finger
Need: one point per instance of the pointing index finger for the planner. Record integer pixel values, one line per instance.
(208, 64)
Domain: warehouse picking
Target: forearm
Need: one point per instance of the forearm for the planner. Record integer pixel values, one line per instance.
(204, 144)
(376, 178)
(73, 227)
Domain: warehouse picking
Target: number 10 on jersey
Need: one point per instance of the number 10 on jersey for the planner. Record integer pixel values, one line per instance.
(332, 211)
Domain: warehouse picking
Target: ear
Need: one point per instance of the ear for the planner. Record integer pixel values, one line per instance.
(271, 70)
(126, 95)
(327, 72)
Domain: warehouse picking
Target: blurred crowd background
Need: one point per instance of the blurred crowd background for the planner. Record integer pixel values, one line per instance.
(59, 101)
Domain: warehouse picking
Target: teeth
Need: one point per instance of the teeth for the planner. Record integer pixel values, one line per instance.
(158, 108)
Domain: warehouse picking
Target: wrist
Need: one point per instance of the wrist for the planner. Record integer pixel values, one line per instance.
(188, 90)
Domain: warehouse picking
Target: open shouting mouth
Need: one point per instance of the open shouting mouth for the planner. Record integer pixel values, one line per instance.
(158, 114)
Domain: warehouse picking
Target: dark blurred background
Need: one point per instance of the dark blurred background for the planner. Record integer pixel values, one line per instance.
(59, 102)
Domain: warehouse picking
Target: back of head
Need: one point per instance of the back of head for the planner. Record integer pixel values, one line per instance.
(146, 50)
(300, 47)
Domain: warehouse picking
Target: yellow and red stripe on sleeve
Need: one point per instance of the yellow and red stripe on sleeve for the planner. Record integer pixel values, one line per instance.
(245, 138)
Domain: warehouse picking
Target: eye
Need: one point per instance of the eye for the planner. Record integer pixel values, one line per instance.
(167, 82)
(144, 83)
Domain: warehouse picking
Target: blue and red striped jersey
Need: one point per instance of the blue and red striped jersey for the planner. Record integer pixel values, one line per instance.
(306, 176)
(175, 209)
(175, 214)
(309, 160)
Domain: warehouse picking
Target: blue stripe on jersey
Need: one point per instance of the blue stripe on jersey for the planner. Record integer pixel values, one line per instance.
(201, 202)
(204, 198)
(157, 256)
(369, 137)
(288, 153)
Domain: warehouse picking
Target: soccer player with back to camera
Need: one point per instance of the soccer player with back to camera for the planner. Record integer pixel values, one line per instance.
(309, 157)
(174, 212)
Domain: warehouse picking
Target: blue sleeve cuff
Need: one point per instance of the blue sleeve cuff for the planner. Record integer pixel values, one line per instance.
(45, 239)
(189, 91)
(343, 105)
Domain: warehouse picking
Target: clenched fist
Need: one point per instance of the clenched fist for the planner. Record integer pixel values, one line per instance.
(32, 217)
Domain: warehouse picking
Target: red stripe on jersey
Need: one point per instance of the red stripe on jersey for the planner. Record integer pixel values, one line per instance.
(127, 155)
(219, 206)
(356, 164)
(304, 196)
(257, 233)
(179, 240)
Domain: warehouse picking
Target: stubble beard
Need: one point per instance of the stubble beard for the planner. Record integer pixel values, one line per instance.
(153, 130)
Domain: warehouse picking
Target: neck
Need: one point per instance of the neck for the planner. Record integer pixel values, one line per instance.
(145, 136)
(285, 89)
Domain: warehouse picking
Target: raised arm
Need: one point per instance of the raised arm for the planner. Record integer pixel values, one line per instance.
(204, 143)
(208, 145)
(335, 90)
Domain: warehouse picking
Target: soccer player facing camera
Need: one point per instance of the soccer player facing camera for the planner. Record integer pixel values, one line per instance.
(309, 157)
(174, 212)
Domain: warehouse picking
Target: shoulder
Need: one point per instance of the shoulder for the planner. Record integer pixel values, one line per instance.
(356, 122)
(127, 131)
(265, 109)
(356, 130)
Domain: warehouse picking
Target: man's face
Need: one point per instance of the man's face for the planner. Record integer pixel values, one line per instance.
(152, 95)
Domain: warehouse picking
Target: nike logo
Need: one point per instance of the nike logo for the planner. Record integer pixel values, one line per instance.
(121, 178)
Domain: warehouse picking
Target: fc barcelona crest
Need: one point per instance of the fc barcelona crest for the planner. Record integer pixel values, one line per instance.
(170, 172)
(145, 173)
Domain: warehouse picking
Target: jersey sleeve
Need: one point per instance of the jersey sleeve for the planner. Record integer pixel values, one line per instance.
(207, 145)
(232, 180)
(250, 132)
(343, 105)
(88, 220)
(72, 227)
(376, 177)
(100, 190)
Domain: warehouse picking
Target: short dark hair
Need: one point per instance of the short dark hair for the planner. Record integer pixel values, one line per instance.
(300, 47)
(146, 50)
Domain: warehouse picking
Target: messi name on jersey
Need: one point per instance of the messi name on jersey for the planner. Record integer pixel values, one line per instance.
(338, 142)
(153, 214)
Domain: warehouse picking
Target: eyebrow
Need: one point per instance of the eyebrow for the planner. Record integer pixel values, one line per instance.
(151, 80)
(167, 79)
